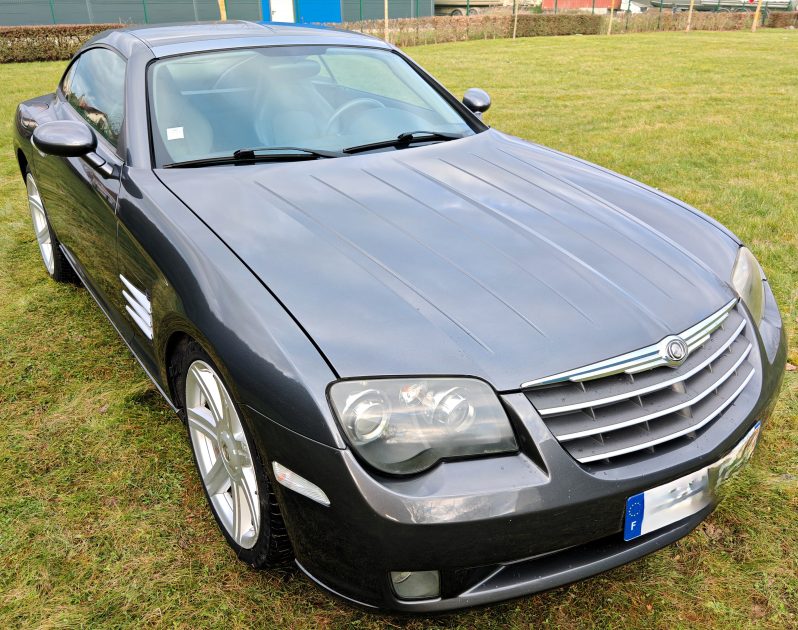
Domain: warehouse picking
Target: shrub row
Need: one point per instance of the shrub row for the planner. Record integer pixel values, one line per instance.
(60, 41)
(45, 43)
(432, 30)
(652, 20)
(782, 19)
(410, 32)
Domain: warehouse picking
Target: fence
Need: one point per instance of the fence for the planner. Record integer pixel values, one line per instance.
(40, 12)
(13, 12)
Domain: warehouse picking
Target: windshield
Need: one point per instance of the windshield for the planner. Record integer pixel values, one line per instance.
(322, 98)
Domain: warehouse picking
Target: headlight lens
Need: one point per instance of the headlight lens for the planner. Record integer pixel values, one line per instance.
(747, 280)
(404, 426)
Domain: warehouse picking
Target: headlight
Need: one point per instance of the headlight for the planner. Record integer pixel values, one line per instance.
(747, 280)
(404, 426)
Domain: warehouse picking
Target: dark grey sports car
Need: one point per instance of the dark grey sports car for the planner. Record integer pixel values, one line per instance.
(437, 365)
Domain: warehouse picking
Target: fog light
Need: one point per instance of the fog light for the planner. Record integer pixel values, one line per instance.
(416, 584)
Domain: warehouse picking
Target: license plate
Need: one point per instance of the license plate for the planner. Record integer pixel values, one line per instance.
(683, 497)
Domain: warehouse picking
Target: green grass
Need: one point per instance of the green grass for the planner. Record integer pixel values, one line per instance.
(102, 521)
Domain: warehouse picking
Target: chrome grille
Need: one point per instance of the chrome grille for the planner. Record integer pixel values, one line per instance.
(613, 409)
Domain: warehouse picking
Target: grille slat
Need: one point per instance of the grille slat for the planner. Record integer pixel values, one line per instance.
(621, 414)
(667, 403)
(605, 391)
(642, 439)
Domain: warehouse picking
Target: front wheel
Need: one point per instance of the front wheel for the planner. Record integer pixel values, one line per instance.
(55, 263)
(231, 470)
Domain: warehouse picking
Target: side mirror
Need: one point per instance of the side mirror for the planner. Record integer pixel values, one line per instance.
(478, 101)
(65, 138)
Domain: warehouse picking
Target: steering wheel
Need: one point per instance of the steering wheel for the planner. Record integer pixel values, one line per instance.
(334, 124)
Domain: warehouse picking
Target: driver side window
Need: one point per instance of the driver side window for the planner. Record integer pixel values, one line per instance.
(95, 87)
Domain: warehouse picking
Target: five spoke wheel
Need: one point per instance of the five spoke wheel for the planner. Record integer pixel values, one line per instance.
(223, 454)
(40, 225)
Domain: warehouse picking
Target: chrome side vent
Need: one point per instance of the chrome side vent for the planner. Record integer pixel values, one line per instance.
(630, 412)
(138, 307)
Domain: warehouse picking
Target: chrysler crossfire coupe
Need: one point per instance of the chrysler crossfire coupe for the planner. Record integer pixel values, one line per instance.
(432, 364)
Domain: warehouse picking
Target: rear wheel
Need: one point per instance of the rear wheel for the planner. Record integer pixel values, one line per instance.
(230, 467)
(55, 263)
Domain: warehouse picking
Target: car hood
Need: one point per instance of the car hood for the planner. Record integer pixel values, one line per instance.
(485, 256)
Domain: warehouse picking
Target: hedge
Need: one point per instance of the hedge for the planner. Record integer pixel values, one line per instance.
(52, 42)
(782, 19)
(652, 20)
(430, 30)
(60, 41)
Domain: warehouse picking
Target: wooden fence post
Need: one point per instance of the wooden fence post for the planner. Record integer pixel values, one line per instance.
(756, 16)
(690, 16)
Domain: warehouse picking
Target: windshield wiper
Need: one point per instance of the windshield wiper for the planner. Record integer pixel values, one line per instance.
(405, 140)
(259, 154)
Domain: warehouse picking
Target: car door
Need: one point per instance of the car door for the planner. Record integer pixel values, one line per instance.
(81, 200)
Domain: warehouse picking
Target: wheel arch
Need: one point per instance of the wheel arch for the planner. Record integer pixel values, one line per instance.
(179, 336)
(181, 333)
(174, 342)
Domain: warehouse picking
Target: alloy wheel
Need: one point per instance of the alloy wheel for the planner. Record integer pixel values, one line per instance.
(40, 224)
(223, 454)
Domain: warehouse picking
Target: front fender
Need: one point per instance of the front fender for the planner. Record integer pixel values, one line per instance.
(199, 287)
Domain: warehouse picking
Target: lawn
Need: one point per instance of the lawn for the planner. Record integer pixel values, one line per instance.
(102, 520)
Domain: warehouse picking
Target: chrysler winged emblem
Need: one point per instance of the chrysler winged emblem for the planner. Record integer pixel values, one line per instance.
(673, 350)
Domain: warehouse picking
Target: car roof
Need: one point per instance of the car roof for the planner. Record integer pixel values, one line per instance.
(181, 38)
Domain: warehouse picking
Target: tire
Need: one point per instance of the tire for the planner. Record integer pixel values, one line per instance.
(55, 263)
(457, 12)
(231, 470)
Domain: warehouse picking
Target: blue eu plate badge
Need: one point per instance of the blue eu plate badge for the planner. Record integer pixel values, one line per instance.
(635, 506)
(671, 502)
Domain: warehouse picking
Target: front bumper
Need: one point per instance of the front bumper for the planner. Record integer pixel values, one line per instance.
(495, 528)
(508, 581)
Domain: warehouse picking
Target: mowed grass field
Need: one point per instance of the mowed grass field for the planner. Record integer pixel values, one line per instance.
(102, 518)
